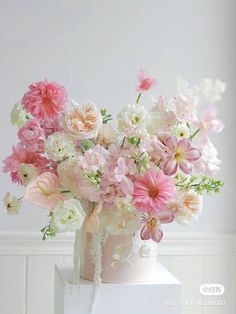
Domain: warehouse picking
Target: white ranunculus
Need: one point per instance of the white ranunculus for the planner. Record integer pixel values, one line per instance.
(187, 207)
(60, 146)
(12, 204)
(18, 115)
(209, 163)
(181, 130)
(67, 216)
(27, 172)
(132, 117)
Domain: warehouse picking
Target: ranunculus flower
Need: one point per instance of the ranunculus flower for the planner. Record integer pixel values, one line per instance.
(45, 100)
(152, 228)
(152, 190)
(44, 191)
(31, 132)
(181, 155)
(83, 122)
(145, 81)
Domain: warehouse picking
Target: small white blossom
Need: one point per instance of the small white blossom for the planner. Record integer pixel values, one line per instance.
(27, 172)
(12, 204)
(181, 130)
(132, 117)
(60, 146)
(67, 216)
(18, 115)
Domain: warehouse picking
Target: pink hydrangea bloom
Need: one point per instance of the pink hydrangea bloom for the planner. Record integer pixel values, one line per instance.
(152, 228)
(181, 155)
(21, 155)
(152, 190)
(145, 81)
(31, 132)
(45, 100)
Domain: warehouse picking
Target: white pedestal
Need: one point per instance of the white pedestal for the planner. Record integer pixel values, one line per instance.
(161, 296)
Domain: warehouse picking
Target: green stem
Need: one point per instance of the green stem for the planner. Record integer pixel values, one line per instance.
(194, 134)
(66, 191)
(123, 142)
(138, 98)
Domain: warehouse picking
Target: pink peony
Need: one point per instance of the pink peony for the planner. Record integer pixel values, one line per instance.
(145, 82)
(181, 155)
(30, 133)
(152, 190)
(45, 100)
(152, 228)
(21, 156)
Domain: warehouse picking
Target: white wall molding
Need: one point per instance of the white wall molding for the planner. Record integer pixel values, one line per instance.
(30, 243)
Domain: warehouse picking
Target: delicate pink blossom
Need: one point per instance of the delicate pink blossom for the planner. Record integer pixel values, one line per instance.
(152, 228)
(181, 155)
(145, 81)
(93, 158)
(152, 190)
(30, 133)
(45, 100)
(183, 107)
(44, 191)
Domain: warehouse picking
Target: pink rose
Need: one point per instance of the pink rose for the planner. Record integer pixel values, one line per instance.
(31, 132)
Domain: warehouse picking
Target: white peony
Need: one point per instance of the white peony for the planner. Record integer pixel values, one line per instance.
(27, 172)
(60, 146)
(12, 204)
(209, 163)
(18, 115)
(67, 216)
(181, 130)
(187, 206)
(132, 117)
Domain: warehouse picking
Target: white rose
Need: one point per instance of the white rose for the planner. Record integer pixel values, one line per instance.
(67, 216)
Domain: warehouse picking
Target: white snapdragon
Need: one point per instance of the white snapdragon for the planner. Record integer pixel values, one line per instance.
(18, 115)
(60, 146)
(12, 204)
(67, 216)
(132, 117)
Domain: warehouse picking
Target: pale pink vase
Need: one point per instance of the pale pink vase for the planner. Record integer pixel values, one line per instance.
(141, 268)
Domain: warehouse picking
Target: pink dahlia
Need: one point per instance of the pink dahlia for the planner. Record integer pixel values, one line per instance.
(181, 155)
(145, 81)
(45, 100)
(152, 190)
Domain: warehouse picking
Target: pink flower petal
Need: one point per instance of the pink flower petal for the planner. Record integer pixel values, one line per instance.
(192, 154)
(166, 216)
(185, 166)
(171, 143)
(157, 234)
(146, 232)
(170, 167)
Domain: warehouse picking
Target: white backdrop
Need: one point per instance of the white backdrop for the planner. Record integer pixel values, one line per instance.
(95, 48)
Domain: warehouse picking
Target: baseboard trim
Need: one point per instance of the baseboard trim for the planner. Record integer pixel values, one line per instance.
(30, 243)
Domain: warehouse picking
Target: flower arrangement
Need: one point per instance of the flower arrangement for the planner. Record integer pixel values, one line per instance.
(152, 170)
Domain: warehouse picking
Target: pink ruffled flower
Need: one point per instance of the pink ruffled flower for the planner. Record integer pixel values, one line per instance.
(44, 191)
(145, 81)
(30, 133)
(181, 155)
(50, 126)
(208, 123)
(152, 228)
(93, 158)
(45, 100)
(152, 190)
(21, 156)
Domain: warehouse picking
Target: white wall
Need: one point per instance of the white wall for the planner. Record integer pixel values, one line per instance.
(95, 48)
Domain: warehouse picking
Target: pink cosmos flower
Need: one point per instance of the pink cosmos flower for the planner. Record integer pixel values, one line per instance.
(208, 123)
(145, 81)
(181, 155)
(44, 191)
(45, 100)
(152, 190)
(152, 228)
(31, 132)
(21, 155)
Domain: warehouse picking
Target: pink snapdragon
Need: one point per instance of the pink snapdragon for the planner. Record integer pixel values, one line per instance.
(152, 190)
(45, 100)
(30, 133)
(152, 228)
(145, 81)
(182, 155)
